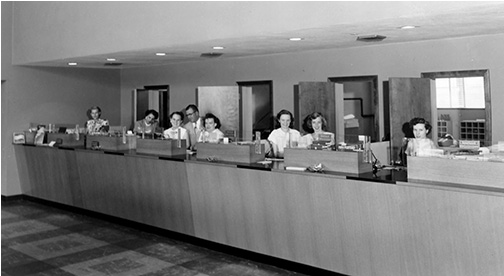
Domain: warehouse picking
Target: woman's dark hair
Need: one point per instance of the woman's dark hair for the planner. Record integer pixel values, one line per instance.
(407, 130)
(178, 113)
(94, 107)
(153, 112)
(215, 119)
(418, 120)
(307, 122)
(284, 112)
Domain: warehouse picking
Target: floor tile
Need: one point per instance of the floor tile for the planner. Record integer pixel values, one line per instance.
(27, 268)
(11, 258)
(8, 215)
(208, 264)
(26, 227)
(35, 237)
(170, 253)
(42, 240)
(107, 234)
(176, 271)
(61, 220)
(53, 272)
(122, 264)
(85, 255)
(58, 246)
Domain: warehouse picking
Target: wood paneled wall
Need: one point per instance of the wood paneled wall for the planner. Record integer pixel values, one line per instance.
(352, 227)
(50, 174)
(348, 226)
(146, 190)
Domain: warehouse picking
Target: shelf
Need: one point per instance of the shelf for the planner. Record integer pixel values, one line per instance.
(473, 130)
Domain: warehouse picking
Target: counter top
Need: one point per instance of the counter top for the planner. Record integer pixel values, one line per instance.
(382, 176)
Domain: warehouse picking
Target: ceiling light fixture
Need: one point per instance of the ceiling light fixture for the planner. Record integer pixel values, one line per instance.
(218, 48)
(72, 63)
(160, 54)
(295, 38)
(111, 59)
(408, 27)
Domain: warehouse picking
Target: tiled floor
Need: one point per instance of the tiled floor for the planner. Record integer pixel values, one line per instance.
(42, 240)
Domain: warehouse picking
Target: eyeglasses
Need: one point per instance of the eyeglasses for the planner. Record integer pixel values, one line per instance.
(189, 114)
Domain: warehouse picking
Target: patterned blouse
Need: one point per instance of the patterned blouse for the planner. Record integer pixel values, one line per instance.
(95, 126)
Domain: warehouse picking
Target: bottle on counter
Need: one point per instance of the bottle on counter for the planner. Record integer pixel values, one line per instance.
(258, 142)
(288, 145)
(124, 135)
(77, 136)
(179, 141)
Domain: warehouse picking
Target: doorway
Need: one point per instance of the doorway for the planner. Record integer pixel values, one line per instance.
(361, 103)
(152, 97)
(256, 100)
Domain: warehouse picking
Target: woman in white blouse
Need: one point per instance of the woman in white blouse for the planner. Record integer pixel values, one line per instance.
(315, 126)
(284, 136)
(176, 131)
(212, 133)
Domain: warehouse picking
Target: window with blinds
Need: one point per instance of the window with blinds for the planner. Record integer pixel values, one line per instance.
(465, 92)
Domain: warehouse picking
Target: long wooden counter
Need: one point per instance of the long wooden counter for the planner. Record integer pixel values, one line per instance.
(338, 223)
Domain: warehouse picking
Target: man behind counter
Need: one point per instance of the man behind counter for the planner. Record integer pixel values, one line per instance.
(194, 126)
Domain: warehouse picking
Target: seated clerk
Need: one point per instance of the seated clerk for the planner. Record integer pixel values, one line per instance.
(176, 131)
(195, 125)
(284, 136)
(315, 124)
(96, 124)
(149, 124)
(420, 144)
(408, 134)
(212, 133)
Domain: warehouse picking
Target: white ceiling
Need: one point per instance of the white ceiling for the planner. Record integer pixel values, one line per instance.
(439, 21)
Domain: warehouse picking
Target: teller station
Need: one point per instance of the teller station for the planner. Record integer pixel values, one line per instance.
(334, 208)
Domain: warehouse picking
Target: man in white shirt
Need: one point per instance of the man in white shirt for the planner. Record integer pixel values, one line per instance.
(194, 126)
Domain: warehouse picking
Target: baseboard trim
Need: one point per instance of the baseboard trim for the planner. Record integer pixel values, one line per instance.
(12, 198)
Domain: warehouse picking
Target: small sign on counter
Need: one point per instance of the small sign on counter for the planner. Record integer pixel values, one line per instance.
(469, 144)
(18, 138)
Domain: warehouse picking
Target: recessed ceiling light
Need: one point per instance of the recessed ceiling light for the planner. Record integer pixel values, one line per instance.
(111, 59)
(160, 54)
(217, 47)
(295, 39)
(408, 27)
(72, 63)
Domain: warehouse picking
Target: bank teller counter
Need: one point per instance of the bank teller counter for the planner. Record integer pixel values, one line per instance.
(356, 224)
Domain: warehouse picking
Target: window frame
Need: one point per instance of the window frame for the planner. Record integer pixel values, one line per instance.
(485, 73)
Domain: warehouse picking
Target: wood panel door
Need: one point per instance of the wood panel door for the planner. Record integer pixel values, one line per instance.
(323, 97)
(223, 102)
(410, 98)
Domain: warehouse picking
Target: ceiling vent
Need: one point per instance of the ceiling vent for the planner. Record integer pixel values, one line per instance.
(112, 64)
(371, 38)
(211, 55)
